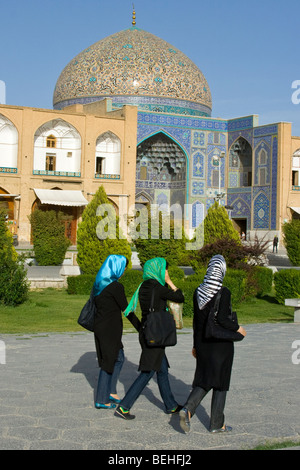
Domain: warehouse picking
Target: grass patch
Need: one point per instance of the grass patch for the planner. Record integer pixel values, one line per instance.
(270, 445)
(53, 310)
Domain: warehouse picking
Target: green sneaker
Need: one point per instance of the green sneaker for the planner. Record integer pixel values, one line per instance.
(121, 413)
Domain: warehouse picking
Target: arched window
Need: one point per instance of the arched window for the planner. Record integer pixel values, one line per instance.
(57, 148)
(8, 145)
(108, 154)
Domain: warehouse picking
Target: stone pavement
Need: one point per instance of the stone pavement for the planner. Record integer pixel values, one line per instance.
(48, 383)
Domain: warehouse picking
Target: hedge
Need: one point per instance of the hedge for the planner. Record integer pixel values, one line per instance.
(236, 280)
(287, 284)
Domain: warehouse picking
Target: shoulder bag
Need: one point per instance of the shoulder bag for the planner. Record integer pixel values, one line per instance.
(159, 327)
(214, 330)
(87, 316)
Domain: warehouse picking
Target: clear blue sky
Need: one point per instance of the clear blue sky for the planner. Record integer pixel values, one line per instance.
(248, 50)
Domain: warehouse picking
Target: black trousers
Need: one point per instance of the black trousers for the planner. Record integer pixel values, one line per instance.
(217, 405)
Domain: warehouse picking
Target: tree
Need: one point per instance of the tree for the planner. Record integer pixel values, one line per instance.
(217, 225)
(7, 250)
(99, 234)
(49, 240)
(160, 236)
(13, 276)
(291, 234)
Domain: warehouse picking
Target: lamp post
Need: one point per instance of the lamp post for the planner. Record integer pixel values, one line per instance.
(217, 162)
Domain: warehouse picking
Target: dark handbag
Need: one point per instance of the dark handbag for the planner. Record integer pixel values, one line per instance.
(159, 327)
(87, 316)
(214, 330)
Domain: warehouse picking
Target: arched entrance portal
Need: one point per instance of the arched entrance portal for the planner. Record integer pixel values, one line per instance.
(161, 171)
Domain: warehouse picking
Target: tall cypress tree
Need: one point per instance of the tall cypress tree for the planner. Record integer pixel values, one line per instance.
(218, 226)
(99, 234)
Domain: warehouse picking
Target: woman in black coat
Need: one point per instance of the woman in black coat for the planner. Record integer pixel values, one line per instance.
(214, 357)
(153, 359)
(110, 300)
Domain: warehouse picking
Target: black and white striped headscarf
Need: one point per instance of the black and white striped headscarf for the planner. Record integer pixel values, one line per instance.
(213, 280)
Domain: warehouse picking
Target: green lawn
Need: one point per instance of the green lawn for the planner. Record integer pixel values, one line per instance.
(52, 310)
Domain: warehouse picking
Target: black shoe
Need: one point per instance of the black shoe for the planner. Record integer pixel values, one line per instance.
(185, 420)
(121, 413)
(175, 410)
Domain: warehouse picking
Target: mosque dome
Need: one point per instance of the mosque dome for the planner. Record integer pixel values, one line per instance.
(135, 67)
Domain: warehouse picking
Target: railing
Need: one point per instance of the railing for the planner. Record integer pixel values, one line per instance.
(4, 169)
(107, 177)
(76, 174)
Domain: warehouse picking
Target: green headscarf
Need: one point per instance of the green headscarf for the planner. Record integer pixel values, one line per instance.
(153, 269)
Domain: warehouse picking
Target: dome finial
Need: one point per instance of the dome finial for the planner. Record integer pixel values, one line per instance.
(133, 16)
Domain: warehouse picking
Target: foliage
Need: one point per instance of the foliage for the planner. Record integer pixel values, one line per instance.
(287, 284)
(263, 280)
(7, 250)
(217, 226)
(48, 233)
(291, 234)
(99, 234)
(256, 251)
(232, 251)
(53, 310)
(13, 277)
(168, 242)
(80, 285)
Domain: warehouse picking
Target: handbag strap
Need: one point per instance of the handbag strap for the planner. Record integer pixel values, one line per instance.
(217, 302)
(151, 309)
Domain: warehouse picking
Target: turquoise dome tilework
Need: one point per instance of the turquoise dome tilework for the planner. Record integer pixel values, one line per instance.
(135, 67)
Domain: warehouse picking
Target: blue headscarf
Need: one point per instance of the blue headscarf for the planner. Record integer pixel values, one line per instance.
(111, 270)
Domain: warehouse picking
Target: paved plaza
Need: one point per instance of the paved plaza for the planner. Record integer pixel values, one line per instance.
(48, 384)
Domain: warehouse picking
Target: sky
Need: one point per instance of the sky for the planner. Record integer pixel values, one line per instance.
(248, 50)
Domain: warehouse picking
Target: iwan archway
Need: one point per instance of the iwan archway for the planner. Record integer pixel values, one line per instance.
(161, 171)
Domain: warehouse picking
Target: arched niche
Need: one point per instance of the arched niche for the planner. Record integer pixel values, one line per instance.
(240, 163)
(8, 144)
(57, 149)
(108, 154)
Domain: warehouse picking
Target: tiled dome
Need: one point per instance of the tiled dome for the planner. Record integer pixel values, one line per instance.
(135, 67)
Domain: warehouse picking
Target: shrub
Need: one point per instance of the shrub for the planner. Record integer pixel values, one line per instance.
(172, 248)
(13, 283)
(131, 280)
(287, 284)
(235, 280)
(263, 278)
(256, 252)
(92, 250)
(291, 233)
(232, 251)
(48, 233)
(13, 276)
(81, 284)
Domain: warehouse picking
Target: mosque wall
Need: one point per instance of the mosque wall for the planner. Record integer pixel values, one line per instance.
(255, 172)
